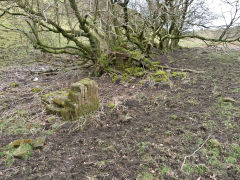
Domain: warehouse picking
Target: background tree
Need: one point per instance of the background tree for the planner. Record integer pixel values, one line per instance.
(101, 31)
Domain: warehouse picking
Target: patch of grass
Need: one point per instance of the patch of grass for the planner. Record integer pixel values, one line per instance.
(165, 170)
(7, 153)
(236, 90)
(142, 147)
(145, 176)
(18, 124)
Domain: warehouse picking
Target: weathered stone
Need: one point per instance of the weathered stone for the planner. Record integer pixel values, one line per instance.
(81, 99)
(18, 142)
(38, 143)
(228, 99)
(23, 151)
(48, 98)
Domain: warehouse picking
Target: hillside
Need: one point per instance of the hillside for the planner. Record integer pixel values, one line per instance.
(187, 128)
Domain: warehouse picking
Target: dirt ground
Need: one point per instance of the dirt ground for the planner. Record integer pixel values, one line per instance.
(186, 129)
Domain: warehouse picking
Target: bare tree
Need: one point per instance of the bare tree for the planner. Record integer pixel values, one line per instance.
(99, 30)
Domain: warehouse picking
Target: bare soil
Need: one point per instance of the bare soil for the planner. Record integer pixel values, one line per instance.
(164, 123)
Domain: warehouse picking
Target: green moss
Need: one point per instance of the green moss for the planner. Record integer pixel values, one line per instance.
(125, 77)
(78, 101)
(51, 119)
(48, 98)
(67, 113)
(179, 74)
(160, 76)
(156, 63)
(111, 105)
(13, 85)
(104, 60)
(136, 71)
(114, 77)
(36, 90)
(137, 55)
(23, 151)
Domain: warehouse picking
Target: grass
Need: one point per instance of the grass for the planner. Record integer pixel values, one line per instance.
(18, 123)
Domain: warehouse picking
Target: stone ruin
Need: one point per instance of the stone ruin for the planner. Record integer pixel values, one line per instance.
(79, 100)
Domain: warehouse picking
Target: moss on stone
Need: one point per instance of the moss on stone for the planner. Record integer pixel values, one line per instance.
(125, 77)
(80, 100)
(179, 74)
(23, 151)
(48, 98)
(111, 105)
(18, 142)
(36, 90)
(160, 76)
(136, 71)
(114, 78)
(13, 85)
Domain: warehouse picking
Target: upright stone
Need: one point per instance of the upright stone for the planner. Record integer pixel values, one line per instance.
(82, 99)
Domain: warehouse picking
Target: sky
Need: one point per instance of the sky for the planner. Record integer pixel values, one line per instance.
(217, 7)
(220, 9)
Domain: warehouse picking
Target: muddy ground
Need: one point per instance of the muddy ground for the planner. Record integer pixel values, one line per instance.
(185, 129)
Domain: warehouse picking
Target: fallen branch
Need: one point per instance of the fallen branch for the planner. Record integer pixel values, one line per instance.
(183, 70)
(185, 158)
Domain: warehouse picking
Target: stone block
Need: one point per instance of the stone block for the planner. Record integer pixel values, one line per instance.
(80, 100)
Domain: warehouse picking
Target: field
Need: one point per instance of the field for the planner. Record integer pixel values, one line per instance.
(185, 129)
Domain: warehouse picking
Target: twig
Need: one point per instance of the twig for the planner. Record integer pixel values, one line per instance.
(185, 158)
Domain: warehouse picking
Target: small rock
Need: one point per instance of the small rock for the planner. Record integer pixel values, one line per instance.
(60, 100)
(165, 86)
(23, 151)
(126, 118)
(228, 99)
(35, 79)
(38, 143)
(18, 142)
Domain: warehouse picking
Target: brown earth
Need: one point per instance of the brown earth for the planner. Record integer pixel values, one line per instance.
(165, 123)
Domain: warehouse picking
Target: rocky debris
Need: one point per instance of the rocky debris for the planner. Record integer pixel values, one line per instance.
(80, 100)
(23, 148)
